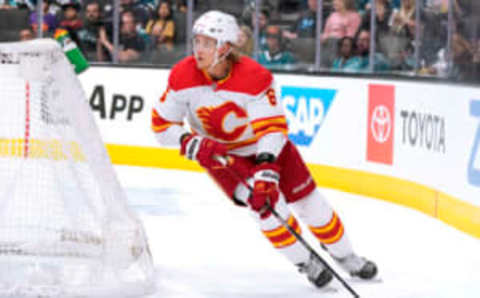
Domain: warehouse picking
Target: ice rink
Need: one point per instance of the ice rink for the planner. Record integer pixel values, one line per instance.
(204, 247)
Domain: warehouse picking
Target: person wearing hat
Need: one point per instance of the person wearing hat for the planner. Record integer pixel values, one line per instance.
(275, 54)
(71, 19)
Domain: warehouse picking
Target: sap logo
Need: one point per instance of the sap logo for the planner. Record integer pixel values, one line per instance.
(474, 162)
(305, 108)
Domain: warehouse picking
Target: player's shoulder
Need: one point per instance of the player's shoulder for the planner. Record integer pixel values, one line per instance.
(185, 74)
(248, 65)
(250, 76)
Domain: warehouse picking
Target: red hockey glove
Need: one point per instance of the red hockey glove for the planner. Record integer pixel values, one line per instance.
(202, 149)
(265, 188)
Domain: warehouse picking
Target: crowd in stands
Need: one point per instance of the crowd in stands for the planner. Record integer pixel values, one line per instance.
(154, 31)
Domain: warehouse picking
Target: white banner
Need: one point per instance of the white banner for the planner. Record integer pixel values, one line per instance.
(426, 133)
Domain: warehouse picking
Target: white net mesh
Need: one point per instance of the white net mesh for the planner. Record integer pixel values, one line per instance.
(65, 228)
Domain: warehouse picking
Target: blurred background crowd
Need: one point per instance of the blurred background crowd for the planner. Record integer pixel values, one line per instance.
(434, 38)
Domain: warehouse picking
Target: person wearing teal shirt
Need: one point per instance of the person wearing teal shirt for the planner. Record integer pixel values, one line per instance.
(275, 55)
(346, 60)
(381, 62)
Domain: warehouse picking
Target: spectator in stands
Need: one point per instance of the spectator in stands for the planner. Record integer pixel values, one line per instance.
(181, 6)
(88, 35)
(71, 20)
(25, 34)
(141, 11)
(403, 20)
(463, 56)
(363, 52)
(305, 26)
(383, 14)
(435, 16)
(405, 59)
(50, 22)
(344, 21)
(249, 10)
(161, 28)
(245, 41)
(263, 21)
(275, 55)
(397, 45)
(346, 60)
(131, 44)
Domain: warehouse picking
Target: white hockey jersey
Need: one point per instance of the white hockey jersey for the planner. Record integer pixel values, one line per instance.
(241, 110)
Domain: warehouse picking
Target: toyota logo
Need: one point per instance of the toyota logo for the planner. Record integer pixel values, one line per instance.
(381, 124)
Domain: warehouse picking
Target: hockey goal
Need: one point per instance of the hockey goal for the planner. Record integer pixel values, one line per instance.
(65, 227)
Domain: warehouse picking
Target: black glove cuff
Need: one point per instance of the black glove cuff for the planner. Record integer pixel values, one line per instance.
(182, 137)
(264, 157)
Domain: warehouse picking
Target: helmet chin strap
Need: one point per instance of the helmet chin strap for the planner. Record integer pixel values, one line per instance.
(217, 59)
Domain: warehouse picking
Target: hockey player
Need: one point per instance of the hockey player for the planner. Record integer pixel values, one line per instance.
(230, 104)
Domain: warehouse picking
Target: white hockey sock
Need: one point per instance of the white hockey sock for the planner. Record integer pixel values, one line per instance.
(283, 241)
(324, 223)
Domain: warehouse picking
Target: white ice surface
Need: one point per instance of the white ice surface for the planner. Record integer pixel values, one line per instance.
(205, 247)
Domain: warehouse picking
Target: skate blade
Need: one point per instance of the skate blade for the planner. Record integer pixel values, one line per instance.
(327, 289)
(358, 280)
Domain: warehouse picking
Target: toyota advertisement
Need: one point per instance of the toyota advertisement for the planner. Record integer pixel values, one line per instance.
(381, 116)
(412, 128)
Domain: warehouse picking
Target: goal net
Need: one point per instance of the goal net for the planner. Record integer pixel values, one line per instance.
(65, 227)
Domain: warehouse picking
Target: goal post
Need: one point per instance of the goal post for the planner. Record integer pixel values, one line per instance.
(65, 226)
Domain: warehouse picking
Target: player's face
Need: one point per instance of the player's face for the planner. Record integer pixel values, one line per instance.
(204, 48)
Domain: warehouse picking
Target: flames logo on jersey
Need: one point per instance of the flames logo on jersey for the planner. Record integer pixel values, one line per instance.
(213, 120)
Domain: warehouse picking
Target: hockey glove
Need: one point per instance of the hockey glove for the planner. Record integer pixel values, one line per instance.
(202, 149)
(265, 188)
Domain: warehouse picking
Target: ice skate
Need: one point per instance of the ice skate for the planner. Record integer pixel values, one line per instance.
(316, 273)
(358, 266)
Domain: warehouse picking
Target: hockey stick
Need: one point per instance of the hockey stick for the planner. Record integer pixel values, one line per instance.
(224, 161)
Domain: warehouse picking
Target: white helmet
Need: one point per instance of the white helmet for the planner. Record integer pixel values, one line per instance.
(218, 25)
